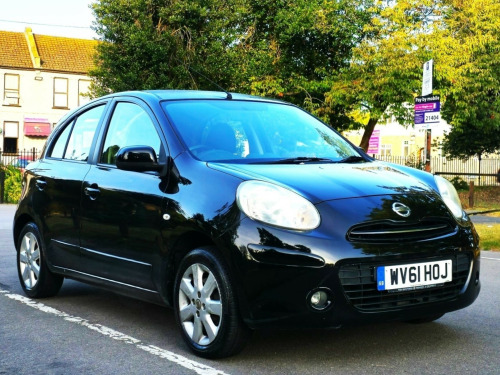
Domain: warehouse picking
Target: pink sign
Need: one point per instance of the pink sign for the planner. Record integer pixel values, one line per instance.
(374, 143)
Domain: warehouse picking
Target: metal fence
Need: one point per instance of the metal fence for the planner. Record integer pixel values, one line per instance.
(20, 158)
(483, 172)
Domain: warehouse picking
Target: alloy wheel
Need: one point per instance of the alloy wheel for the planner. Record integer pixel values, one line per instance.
(200, 305)
(29, 260)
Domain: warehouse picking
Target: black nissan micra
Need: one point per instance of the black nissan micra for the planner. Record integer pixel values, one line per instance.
(240, 213)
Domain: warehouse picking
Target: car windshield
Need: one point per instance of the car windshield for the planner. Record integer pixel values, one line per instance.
(256, 132)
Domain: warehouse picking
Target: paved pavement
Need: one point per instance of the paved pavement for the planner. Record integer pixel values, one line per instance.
(85, 330)
(483, 219)
(6, 215)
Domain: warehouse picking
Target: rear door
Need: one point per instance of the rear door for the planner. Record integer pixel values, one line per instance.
(58, 180)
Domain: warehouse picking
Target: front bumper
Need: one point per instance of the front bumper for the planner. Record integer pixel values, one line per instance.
(276, 294)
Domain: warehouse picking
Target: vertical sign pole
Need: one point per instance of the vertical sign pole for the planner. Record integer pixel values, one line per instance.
(428, 139)
(427, 90)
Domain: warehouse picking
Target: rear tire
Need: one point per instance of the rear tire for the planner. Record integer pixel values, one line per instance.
(206, 308)
(36, 279)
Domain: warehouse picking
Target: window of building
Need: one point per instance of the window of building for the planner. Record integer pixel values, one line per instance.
(406, 148)
(83, 90)
(11, 89)
(61, 93)
(10, 136)
(385, 150)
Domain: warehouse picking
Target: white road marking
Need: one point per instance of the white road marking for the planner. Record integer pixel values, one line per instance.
(497, 259)
(197, 367)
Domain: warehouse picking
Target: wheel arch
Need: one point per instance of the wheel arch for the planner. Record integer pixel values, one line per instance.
(19, 224)
(183, 245)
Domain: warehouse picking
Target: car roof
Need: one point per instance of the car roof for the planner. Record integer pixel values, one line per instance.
(191, 94)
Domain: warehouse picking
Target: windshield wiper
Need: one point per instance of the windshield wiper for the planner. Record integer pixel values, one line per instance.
(297, 160)
(351, 159)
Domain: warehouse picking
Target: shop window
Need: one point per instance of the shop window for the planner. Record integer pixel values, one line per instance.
(10, 136)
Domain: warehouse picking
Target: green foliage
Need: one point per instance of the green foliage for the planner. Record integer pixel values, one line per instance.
(291, 49)
(459, 184)
(13, 180)
(349, 62)
(149, 44)
(470, 43)
(474, 138)
(415, 161)
(294, 49)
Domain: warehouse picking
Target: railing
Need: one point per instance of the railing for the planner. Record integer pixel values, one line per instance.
(483, 172)
(20, 158)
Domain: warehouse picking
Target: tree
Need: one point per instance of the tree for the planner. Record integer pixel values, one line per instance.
(385, 73)
(294, 49)
(472, 95)
(151, 44)
(288, 49)
(471, 140)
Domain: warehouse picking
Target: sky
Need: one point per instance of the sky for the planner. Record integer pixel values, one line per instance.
(69, 18)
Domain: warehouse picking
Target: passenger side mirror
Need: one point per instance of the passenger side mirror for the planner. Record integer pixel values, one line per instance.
(138, 159)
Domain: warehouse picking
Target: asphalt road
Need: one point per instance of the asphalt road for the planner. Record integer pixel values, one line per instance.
(84, 330)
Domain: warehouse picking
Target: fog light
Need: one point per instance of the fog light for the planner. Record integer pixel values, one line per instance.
(319, 300)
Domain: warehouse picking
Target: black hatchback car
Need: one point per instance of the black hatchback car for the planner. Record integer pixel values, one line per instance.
(240, 213)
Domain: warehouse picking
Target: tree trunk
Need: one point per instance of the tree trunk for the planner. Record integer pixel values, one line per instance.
(365, 140)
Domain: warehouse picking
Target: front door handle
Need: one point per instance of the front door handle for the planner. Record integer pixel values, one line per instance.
(92, 191)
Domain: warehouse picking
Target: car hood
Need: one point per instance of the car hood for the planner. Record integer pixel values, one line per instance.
(327, 181)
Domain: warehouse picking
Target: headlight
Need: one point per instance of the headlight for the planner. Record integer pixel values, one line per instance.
(449, 195)
(277, 206)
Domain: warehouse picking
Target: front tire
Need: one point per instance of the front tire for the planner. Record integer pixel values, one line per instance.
(36, 279)
(206, 306)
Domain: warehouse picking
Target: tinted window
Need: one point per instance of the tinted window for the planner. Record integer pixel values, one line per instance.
(129, 126)
(83, 134)
(60, 144)
(242, 130)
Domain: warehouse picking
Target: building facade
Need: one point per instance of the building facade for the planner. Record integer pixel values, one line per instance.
(41, 78)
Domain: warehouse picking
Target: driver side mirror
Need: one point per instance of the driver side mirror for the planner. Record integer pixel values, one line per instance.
(138, 159)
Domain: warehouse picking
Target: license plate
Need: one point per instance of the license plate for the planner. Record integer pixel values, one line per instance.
(412, 276)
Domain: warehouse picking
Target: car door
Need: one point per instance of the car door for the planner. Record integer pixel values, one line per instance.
(122, 210)
(58, 178)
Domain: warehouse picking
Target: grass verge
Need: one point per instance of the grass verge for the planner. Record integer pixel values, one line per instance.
(486, 198)
(489, 236)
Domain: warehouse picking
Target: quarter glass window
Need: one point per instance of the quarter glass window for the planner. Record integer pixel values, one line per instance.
(129, 126)
(83, 134)
(60, 144)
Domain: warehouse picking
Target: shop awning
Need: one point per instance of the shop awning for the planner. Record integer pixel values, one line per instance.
(36, 127)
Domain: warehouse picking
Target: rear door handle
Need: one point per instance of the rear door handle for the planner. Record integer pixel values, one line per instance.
(41, 184)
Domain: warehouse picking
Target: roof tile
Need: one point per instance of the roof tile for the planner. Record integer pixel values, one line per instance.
(14, 51)
(56, 53)
(65, 54)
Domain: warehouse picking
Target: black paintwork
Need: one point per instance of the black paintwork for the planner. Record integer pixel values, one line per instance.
(127, 230)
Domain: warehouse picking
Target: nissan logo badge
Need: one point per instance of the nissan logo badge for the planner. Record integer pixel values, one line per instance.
(401, 209)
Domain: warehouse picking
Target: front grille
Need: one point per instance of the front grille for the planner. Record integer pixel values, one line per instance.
(387, 231)
(360, 286)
